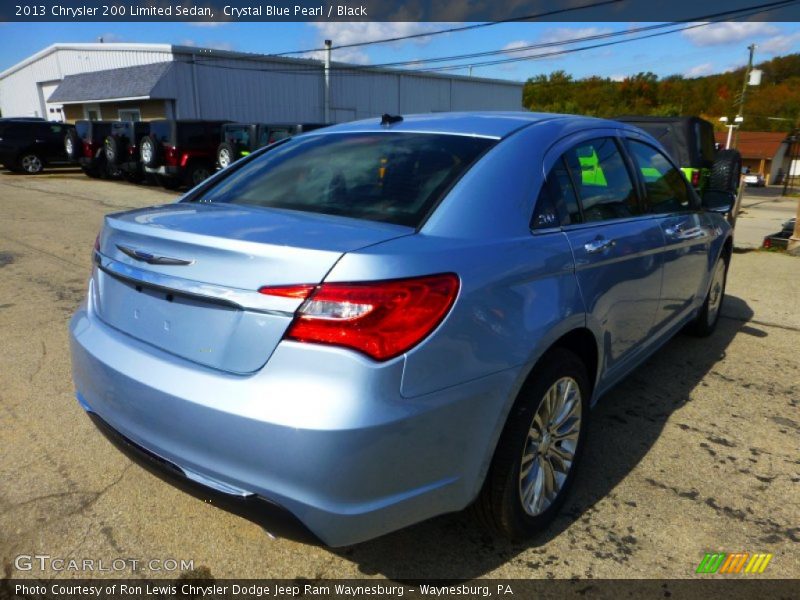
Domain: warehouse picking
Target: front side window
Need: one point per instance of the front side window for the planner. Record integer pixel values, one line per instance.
(604, 186)
(386, 176)
(666, 186)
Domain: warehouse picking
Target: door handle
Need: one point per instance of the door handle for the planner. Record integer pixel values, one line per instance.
(599, 245)
(675, 230)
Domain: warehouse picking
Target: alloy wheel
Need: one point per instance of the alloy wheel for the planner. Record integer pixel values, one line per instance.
(31, 163)
(550, 447)
(716, 292)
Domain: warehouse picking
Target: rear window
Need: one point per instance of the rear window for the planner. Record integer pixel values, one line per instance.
(82, 128)
(391, 177)
(161, 130)
(122, 129)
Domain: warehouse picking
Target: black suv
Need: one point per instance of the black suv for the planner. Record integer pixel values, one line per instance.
(84, 145)
(28, 145)
(180, 152)
(240, 139)
(121, 148)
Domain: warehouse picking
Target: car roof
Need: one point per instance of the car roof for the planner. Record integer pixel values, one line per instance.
(479, 124)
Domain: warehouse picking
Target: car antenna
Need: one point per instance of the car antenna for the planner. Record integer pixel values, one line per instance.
(388, 119)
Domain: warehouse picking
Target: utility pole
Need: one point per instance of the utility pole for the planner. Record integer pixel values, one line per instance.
(745, 83)
(327, 93)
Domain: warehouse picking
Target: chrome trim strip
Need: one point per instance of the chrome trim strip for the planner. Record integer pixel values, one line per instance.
(232, 297)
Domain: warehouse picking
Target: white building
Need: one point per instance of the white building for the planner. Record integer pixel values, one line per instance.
(150, 81)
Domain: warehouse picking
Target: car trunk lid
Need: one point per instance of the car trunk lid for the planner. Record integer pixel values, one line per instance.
(185, 277)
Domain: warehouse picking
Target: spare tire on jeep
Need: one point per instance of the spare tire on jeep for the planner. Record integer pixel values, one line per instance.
(113, 146)
(150, 151)
(72, 145)
(725, 171)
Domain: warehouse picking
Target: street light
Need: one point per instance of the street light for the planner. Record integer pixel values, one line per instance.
(737, 120)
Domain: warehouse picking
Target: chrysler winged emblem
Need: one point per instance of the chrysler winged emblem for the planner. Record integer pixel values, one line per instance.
(152, 259)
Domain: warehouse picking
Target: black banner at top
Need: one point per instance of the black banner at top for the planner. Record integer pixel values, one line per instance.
(396, 10)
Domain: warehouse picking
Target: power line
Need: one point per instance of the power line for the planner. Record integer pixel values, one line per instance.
(711, 17)
(456, 29)
(313, 69)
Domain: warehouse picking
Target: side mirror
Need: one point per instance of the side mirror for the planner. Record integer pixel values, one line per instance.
(718, 201)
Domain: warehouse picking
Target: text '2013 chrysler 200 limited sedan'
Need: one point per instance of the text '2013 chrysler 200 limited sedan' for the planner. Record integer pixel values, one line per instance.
(375, 323)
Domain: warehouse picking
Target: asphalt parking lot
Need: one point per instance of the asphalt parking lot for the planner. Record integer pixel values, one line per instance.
(696, 451)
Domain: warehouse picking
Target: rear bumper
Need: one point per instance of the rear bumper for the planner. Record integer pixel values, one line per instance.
(274, 518)
(320, 432)
(164, 170)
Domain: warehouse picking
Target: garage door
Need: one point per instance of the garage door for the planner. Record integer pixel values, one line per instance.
(55, 111)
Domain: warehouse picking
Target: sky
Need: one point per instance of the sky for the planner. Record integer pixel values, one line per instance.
(694, 52)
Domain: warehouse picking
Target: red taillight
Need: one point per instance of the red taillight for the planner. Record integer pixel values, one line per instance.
(695, 177)
(184, 160)
(171, 156)
(382, 319)
(287, 291)
(88, 148)
(767, 243)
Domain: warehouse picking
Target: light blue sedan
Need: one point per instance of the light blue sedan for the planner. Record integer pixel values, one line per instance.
(371, 324)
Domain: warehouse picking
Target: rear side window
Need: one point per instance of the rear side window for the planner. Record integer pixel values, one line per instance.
(556, 190)
(238, 135)
(12, 131)
(192, 134)
(384, 176)
(278, 133)
(667, 190)
(604, 185)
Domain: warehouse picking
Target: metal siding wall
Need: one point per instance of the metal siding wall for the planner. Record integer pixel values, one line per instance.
(482, 95)
(228, 91)
(245, 90)
(424, 94)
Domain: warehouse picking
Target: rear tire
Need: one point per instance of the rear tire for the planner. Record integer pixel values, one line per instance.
(113, 149)
(706, 320)
(533, 447)
(726, 171)
(150, 151)
(197, 173)
(72, 145)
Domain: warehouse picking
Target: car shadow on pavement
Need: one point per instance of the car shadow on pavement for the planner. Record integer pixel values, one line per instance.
(624, 426)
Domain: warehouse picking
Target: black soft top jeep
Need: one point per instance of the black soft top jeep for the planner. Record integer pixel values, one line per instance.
(180, 152)
(690, 142)
(240, 139)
